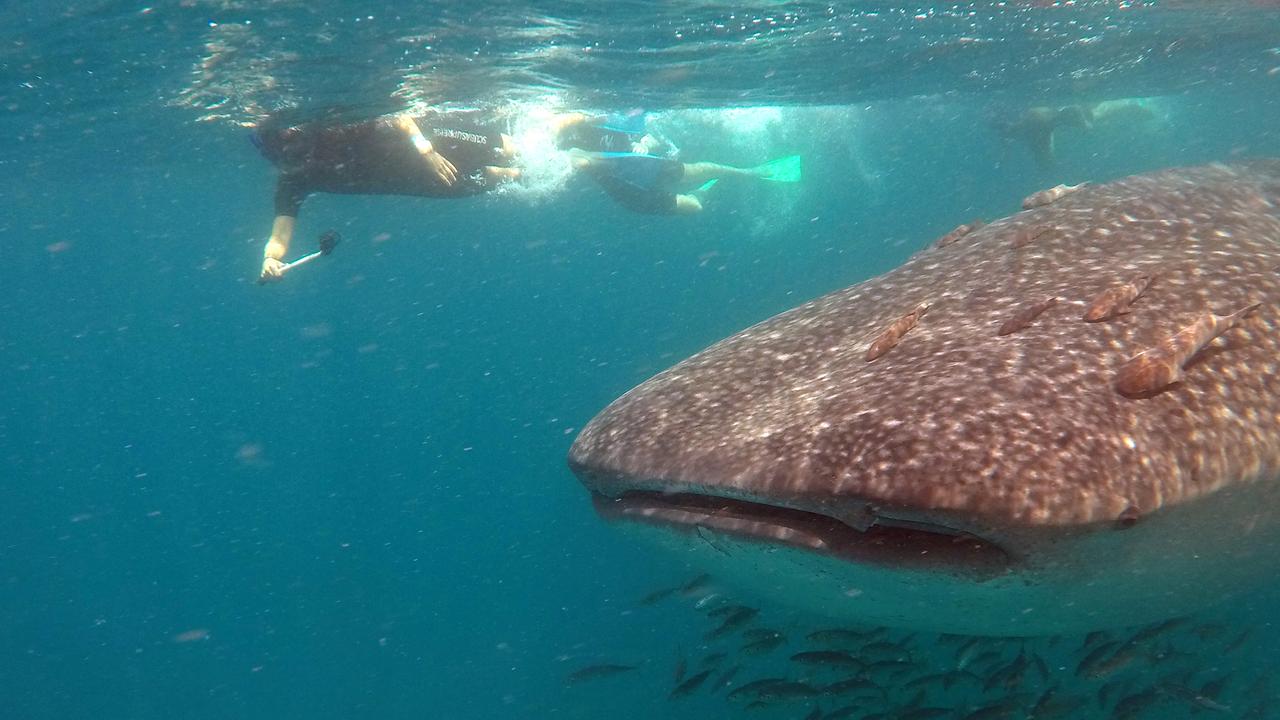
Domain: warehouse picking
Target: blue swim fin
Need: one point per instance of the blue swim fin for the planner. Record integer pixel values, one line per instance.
(786, 169)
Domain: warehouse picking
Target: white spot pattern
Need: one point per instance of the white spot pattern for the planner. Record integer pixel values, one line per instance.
(1022, 429)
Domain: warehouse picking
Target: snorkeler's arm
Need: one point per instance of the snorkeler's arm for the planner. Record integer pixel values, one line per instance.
(291, 191)
(273, 254)
(562, 123)
(443, 169)
(655, 144)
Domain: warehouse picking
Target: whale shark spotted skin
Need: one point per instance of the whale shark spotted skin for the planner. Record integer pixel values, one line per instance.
(982, 473)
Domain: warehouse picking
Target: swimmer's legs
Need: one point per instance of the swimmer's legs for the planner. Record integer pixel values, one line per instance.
(495, 175)
(688, 204)
(509, 149)
(700, 172)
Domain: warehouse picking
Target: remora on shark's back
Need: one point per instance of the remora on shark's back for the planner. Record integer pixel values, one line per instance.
(966, 480)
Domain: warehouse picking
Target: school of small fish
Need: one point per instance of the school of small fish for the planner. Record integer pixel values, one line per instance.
(1170, 670)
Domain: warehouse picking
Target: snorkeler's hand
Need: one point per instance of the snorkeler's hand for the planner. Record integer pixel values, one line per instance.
(441, 167)
(272, 270)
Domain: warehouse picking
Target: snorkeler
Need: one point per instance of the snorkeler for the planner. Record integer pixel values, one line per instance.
(1036, 127)
(640, 170)
(435, 155)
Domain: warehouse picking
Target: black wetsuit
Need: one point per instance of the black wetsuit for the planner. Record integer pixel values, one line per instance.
(375, 157)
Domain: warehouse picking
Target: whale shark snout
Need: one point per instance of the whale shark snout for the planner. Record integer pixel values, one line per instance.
(945, 446)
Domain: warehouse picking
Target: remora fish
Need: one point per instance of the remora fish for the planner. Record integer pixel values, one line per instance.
(973, 484)
(1053, 194)
(1115, 301)
(1156, 368)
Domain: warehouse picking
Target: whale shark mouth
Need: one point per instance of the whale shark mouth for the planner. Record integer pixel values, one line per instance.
(881, 541)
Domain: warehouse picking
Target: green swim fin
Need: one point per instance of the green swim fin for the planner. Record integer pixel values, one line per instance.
(786, 169)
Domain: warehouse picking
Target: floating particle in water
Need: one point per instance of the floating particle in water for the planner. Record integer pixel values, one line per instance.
(316, 332)
(601, 670)
(251, 453)
(192, 635)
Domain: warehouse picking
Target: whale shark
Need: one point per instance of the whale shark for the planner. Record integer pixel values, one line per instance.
(954, 446)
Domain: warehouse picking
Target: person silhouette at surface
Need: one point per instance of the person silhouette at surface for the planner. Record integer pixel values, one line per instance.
(641, 170)
(436, 154)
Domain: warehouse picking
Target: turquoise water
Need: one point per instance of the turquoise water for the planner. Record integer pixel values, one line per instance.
(345, 495)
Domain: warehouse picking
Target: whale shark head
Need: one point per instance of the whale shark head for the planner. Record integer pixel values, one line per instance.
(972, 468)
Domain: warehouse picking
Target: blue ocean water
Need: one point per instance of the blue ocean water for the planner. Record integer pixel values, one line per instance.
(345, 495)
